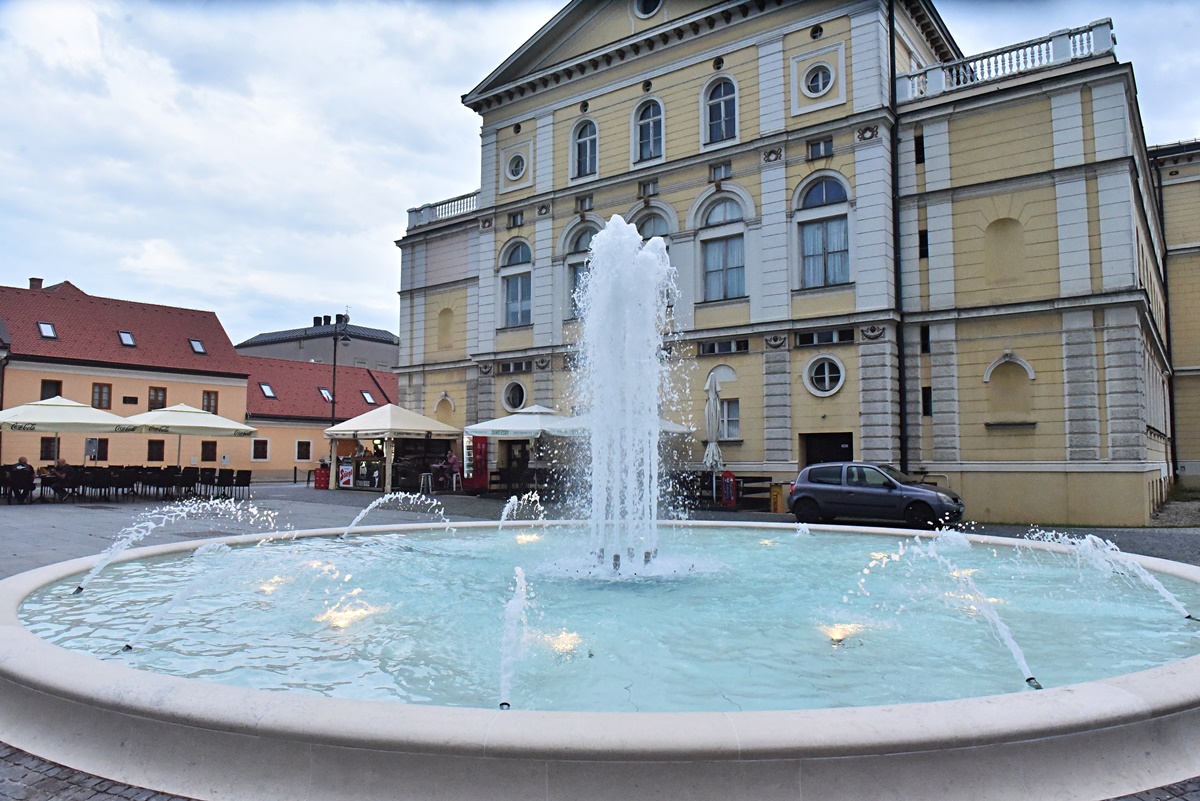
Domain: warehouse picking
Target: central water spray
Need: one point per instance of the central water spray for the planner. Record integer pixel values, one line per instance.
(623, 305)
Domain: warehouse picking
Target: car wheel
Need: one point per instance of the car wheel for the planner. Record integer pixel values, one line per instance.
(807, 511)
(919, 515)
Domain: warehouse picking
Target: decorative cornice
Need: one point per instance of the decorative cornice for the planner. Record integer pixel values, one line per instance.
(670, 34)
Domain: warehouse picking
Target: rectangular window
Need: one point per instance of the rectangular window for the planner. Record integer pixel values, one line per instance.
(326, 394)
(51, 388)
(102, 396)
(368, 397)
(583, 203)
(155, 450)
(923, 243)
(518, 300)
(47, 453)
(260, 450)
(158, 398)
(719, 172)
(827, 337)
(648, 188)
(47, 331)
(516, 219)
(127, 339)
(927, 401)
(925, 339)
(724, 346)
(523, 366)
(724, 268)
(821, 148)
(303, 450)
(267, 390)
(197, 347)
(730, 422)
(102, 450)
(208, 451)
(919, 148)
(826, 249)
(208, 401)
(129, 400)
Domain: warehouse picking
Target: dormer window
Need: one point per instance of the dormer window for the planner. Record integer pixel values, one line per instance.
(127, 339)
(47, 331)
(267, 390)
(198, 347)
(326, 394)
(368, 397)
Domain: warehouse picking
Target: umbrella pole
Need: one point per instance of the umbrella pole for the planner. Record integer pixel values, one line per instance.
(388, 455)
(179, 451)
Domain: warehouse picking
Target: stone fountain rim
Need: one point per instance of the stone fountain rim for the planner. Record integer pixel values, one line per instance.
(103, 696)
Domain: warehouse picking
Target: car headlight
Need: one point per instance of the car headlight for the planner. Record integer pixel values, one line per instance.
(944, 498)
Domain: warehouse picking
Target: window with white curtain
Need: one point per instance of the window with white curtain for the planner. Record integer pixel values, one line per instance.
(723, 251)
(721, 103)
(584, 157)
(649, 131)
(824, 235)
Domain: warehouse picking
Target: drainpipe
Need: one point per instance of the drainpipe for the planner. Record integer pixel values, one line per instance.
(4, 351)
(1162, 226)
(897, 279)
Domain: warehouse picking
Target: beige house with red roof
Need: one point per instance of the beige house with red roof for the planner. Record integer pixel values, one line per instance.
(291, 404)
(122, 356)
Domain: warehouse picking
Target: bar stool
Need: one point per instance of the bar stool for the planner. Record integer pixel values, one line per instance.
(426, 484)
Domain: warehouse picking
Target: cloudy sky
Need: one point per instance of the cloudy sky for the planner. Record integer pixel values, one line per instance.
(258, 158)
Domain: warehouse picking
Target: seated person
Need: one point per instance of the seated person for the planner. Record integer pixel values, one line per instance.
(20, 477)
(61, 473)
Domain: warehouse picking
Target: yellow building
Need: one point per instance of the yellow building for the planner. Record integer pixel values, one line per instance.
(885, 250)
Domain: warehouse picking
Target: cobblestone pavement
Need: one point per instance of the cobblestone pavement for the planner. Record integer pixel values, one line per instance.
(39, 534)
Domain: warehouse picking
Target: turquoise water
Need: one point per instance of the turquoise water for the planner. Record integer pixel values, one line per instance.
(723, 620)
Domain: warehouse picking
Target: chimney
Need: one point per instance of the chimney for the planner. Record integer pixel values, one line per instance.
(316, 320)
(35, 283)
(327, 319)
(341, 318)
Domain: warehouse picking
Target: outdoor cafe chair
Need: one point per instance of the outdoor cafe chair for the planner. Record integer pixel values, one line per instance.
(241, 484)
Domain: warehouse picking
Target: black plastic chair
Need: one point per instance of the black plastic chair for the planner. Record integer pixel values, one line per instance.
(186, 481)
(223, 486)
(241, 484)
(207, 482)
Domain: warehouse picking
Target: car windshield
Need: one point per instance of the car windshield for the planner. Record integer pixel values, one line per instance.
(896, 475)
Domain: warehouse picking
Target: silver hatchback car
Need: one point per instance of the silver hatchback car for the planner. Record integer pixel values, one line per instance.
(861, 490)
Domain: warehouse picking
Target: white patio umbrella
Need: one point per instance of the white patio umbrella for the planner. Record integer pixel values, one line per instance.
(182, 419)
(712, 428)
(59, 415)
(528, 423)
(387, 423)
(581, 424)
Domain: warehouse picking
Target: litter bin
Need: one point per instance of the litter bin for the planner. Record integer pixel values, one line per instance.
(778, 499)
(321, 478)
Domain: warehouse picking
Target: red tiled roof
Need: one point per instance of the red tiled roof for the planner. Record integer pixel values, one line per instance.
(87, 329)
(297, 388)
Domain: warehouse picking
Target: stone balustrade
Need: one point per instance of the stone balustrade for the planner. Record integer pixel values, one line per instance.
(1060, 47)
(443, 210)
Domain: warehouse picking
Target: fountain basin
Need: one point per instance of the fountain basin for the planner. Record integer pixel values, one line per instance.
(209, 741)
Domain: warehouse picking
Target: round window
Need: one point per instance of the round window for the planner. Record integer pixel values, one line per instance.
(513, 396)
(516, 166)
(817, 80)
(646, 8)
(824, 376)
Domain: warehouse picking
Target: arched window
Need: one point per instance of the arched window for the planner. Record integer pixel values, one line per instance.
(578, 262)
(649, 131)
(516, 283)
(721, 104)
(653, 225)
(584, 156)
(824, 235)
(723, 251)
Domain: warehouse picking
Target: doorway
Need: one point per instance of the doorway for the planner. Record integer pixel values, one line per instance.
(818, 448)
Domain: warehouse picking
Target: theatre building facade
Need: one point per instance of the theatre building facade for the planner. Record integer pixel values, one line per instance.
(885, 250)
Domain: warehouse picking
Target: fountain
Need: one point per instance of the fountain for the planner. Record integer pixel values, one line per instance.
(772, 661)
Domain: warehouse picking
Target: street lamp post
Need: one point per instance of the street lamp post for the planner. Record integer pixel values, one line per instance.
(339, 337)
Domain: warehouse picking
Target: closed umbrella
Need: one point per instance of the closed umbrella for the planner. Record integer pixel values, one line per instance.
(182, 419)
(712, 427)
(59, 415)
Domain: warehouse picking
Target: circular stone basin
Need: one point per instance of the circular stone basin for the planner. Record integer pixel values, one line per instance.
(765, 661)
